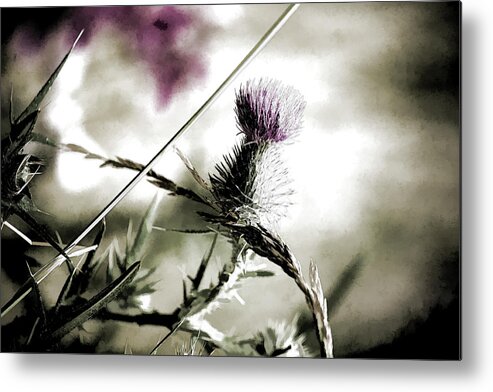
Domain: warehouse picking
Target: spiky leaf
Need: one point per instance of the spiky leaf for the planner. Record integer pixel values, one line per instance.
(136, 249)
(94, 305)
(34, 105)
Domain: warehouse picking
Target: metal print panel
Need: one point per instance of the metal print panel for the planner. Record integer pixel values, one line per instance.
(273, 180)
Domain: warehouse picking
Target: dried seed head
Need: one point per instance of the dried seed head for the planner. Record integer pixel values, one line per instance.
(268, 111)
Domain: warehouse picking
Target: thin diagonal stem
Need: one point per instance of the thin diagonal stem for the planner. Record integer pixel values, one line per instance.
(273, 30)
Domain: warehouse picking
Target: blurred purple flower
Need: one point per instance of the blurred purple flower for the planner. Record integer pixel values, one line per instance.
(268, 111)
(153, 34)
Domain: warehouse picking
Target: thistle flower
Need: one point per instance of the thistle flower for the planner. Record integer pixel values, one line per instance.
(267, 111)
(252, 184)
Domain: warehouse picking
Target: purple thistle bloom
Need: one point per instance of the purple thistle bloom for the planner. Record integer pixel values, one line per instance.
(268, 111)
(252, 183)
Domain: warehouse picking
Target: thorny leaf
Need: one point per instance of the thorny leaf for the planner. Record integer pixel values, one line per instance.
(63, 295)
(43, 232)
(69, 286)
(88, 268)
(203, 264)
(34, 105)
(136, 248)
(39, 299)
(18, 170)
(84, 312)
(16, 140)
